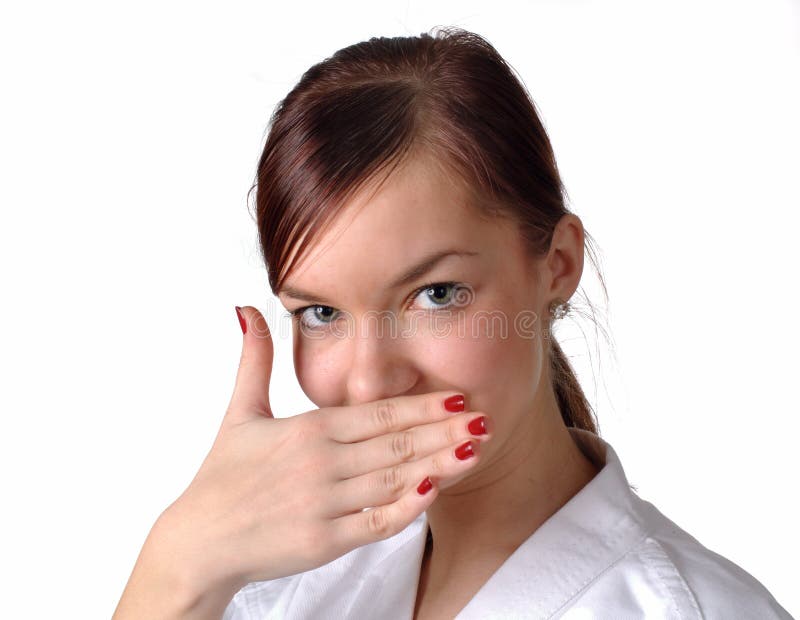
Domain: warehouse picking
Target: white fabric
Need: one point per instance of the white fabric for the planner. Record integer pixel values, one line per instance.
(606, 553)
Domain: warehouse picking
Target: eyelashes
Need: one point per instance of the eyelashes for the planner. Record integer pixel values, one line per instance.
(455, 293)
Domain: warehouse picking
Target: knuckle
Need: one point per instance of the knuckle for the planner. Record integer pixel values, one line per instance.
(307, 428)
(378, 523)
(321, 420)
(403, 446)
(385, 414)
(318, 465)
(452, 433)
(437, 465)
(429, 411)
(394, 480)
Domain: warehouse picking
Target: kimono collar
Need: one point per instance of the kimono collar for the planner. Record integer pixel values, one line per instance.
(588, 534)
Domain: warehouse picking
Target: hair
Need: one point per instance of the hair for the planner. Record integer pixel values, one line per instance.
(356, 115)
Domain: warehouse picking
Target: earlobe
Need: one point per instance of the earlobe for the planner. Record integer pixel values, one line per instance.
(559, 309)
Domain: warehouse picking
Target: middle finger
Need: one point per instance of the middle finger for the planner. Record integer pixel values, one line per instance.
(356, 459)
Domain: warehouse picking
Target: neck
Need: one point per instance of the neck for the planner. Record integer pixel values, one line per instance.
(482, 520)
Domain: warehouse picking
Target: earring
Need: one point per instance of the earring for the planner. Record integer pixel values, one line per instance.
(559, 309)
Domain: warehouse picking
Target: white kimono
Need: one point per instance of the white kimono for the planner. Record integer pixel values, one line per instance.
(606, 553)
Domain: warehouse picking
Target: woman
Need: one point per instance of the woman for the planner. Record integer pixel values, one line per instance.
(413, 222)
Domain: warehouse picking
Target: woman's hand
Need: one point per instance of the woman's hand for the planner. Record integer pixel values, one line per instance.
(279, 496)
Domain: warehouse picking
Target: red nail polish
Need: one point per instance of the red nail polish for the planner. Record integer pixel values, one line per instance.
(455, 403)
(478, 426)
(465, 451)
(425, 486)
(242, 322)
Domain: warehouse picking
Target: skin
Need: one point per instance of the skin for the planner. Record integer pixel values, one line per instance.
(531, 466)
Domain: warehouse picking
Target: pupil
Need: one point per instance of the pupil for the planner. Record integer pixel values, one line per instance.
(439, 289)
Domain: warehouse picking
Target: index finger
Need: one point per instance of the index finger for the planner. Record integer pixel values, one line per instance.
(360, 422)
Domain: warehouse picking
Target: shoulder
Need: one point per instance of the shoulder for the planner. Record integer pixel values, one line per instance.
(669, 573)
(720, 587)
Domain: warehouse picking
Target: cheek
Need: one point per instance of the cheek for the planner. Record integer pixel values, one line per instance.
(497, 367)
(320, 373)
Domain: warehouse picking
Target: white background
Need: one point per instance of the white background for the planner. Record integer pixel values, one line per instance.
(129, 136)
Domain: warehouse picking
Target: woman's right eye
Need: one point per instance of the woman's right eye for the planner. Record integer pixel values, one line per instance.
(314, 317)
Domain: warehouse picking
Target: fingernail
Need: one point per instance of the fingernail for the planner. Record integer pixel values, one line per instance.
(242, 322)
(465, 451)
(455, 403)
(425, 486)
(478, 426)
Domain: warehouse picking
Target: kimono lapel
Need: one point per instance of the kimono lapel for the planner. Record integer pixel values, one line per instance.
(389, 590)
(593, 530)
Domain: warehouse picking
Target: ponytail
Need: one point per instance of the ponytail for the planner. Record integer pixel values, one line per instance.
(572, 402)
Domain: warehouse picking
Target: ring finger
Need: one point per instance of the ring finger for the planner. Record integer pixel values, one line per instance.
(389, 484)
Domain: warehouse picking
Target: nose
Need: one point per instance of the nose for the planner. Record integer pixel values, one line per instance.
(380, 365)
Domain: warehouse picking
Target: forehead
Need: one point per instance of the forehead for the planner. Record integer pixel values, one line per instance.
(419, 209)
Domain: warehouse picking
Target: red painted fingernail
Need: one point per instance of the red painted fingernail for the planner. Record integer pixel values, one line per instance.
(465, 451)
(242, 322)
(454, 403)
(478, 426)
(425, 486)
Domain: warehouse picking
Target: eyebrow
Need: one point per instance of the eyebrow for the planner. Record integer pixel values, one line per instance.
(414, 272)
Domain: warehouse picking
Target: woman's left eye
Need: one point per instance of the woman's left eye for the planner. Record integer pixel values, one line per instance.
(440, 294)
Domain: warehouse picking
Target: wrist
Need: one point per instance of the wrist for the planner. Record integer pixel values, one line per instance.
(170, 581)
(189, 562)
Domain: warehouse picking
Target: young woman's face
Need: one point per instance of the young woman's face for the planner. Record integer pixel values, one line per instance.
(362, 336)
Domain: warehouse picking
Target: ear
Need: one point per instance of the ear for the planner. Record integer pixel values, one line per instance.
(563, 266)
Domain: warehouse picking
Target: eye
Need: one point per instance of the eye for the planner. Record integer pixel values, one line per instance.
(440, 294)
(314, 317)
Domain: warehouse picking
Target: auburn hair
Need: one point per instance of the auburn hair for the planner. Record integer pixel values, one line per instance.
(355, 116)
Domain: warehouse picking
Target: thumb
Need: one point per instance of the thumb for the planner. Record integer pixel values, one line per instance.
(251, 393)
